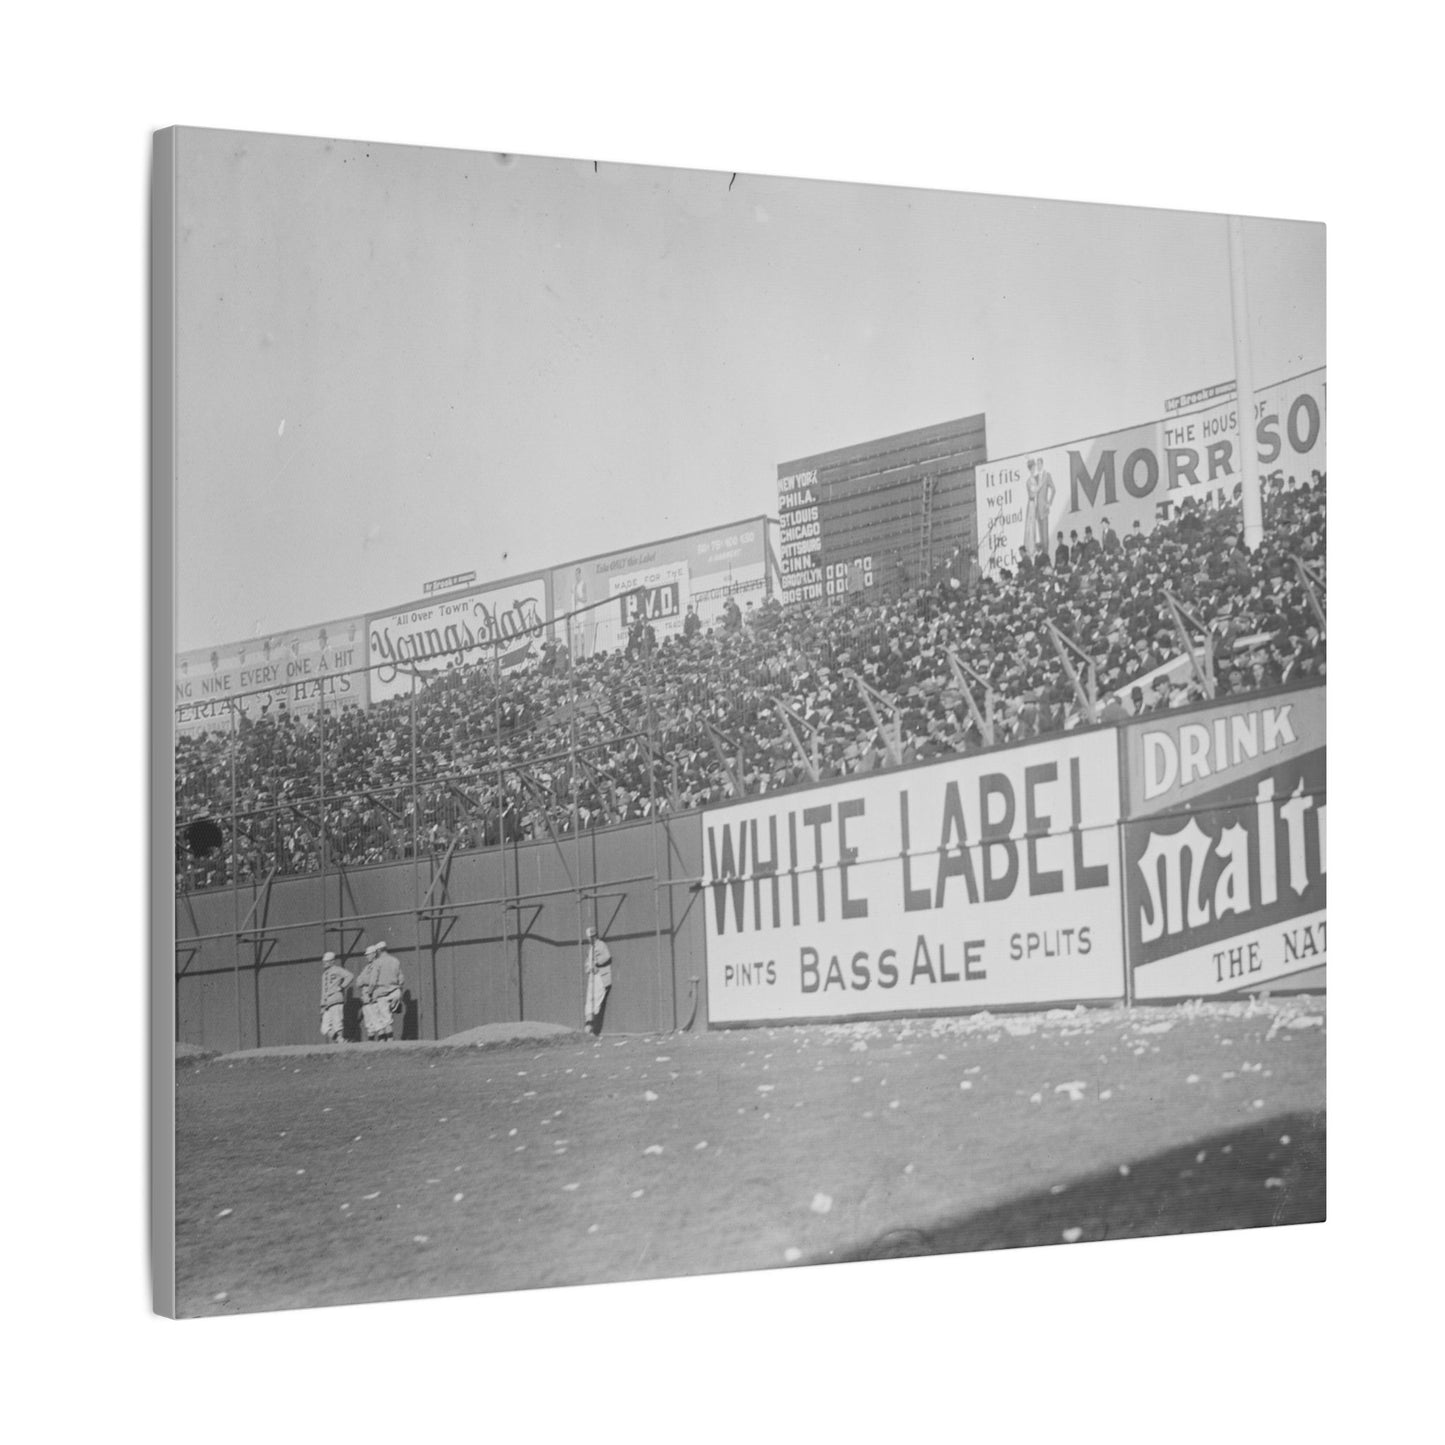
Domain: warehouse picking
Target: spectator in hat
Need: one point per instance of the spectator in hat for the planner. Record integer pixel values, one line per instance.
(1264, 671)
(1061, 555)
(335, 980)
(636, 640)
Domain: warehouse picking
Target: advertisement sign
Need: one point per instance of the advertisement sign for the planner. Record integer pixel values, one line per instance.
(701, 569)
(1193, 398)
(290, 671)
(1144, 473)
(979, 881)
(1224, 850)
(657, 597)
(423, 642)
(447, 584)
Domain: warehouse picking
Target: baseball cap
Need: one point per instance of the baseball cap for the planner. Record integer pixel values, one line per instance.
(328, 957)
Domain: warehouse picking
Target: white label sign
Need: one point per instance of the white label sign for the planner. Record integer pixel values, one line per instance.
(981, 881)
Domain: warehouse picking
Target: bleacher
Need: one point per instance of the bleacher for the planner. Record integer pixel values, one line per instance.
(767, 704)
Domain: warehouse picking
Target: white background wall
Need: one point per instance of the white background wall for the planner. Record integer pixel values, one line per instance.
(1282, 1330)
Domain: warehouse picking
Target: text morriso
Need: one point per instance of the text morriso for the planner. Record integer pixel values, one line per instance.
(992, 838)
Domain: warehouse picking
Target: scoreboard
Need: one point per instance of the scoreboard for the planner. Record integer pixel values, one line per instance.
(891, 514)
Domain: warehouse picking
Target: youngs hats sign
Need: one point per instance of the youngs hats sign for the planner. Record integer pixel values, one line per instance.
(985, 880)
(411, 647)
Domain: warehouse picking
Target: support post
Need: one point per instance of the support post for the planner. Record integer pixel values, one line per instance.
(983, 720)
(1246, 449)
(235, 887)
(656, 901)
(1087, 688)
(891, 732)
(501, 815)
(576, 822)
(416, 860)
(732, 771)
(321, 805)
(808, 757)
(1313, 585)
(1201, 662)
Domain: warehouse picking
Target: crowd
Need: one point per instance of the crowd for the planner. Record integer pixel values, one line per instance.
(659, 726)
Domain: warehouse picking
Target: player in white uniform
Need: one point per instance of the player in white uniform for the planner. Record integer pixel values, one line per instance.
(386, 986)
(597, 966)
(335, 980)
(365, 981)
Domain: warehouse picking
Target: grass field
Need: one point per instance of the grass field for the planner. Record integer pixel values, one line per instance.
(366, 1175)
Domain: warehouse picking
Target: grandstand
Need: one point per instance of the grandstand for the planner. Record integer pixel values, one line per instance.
(762, 703)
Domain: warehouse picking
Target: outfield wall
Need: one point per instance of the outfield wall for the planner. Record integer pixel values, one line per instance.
(462, 969)
(1178, 856)
(1181, 855)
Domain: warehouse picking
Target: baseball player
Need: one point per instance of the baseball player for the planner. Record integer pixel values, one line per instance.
(365, 981)
(335, 980)
(597, 966)
(386, 985)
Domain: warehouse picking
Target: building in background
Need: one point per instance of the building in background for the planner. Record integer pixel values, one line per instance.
(891, 514)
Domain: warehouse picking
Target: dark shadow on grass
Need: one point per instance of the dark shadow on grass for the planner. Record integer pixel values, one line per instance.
(410, 1020)
(1248, 1178)
(351, 1019)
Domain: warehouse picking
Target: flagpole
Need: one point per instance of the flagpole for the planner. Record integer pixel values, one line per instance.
(1245, 448)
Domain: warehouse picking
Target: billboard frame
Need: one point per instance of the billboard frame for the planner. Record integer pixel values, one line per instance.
(1129, 817)
(803, 788)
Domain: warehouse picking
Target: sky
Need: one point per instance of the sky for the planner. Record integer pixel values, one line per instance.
(397, 363)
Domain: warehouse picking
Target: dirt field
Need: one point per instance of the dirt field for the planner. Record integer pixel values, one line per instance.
(368, 1175)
